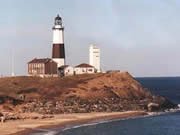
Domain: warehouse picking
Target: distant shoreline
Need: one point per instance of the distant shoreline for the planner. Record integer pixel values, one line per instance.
(20, 127)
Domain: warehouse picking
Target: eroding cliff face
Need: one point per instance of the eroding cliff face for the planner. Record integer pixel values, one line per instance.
(85, 93)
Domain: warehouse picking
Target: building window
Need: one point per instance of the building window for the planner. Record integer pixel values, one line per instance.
(90, 70)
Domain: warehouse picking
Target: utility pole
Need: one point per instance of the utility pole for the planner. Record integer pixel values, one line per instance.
(12, 64)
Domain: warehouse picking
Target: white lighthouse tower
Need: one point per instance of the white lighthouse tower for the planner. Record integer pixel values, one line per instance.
(94, 57)
(58, 51)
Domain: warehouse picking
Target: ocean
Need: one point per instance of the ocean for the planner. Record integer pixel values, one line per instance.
(161, 124)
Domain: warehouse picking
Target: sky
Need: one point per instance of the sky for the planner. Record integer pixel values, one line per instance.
(138, 36)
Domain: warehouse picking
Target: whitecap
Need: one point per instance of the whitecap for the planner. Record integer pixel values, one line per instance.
(45, 132)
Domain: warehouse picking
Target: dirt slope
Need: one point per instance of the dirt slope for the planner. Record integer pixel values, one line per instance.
(82, 93)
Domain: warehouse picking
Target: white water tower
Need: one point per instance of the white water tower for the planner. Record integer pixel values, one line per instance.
(94, 57)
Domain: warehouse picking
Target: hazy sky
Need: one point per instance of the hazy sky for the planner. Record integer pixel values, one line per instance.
(139, 36)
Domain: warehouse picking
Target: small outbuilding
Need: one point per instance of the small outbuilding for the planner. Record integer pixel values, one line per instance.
(42, 67)
(66, 70)
(84, 69)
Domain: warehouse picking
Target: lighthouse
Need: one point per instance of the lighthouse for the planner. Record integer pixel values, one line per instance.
(58, 51)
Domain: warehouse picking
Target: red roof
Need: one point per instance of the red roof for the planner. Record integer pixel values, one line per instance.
(44, 60)
(84, 65)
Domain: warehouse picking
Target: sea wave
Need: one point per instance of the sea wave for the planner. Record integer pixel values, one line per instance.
(165, 112)
(45, 132)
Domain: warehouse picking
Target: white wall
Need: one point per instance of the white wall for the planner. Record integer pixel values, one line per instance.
(69, 71)
(79, 70)
(58, 36)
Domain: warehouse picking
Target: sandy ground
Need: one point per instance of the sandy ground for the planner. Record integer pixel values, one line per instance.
(21, 127)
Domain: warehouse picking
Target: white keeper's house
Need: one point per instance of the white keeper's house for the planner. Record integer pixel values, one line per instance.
(84, 69)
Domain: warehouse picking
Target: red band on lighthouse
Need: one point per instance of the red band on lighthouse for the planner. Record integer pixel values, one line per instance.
(58, 51)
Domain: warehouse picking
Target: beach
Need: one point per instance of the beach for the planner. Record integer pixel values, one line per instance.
(22, 127)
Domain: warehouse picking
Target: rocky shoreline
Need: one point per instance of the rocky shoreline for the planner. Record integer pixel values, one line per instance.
(75, 105)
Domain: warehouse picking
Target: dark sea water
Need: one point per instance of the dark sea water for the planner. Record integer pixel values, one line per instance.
(164, 86)
(163, 124)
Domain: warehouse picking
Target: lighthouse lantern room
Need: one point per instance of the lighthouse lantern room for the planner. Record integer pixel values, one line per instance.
(58, 51)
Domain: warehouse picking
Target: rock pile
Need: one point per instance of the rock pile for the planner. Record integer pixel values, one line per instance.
(113, 104)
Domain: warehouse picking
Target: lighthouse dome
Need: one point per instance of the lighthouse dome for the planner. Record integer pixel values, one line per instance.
(58, 20)
(58, 17)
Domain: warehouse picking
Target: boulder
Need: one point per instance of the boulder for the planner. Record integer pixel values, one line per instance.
(2, 118)
(153, 107)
